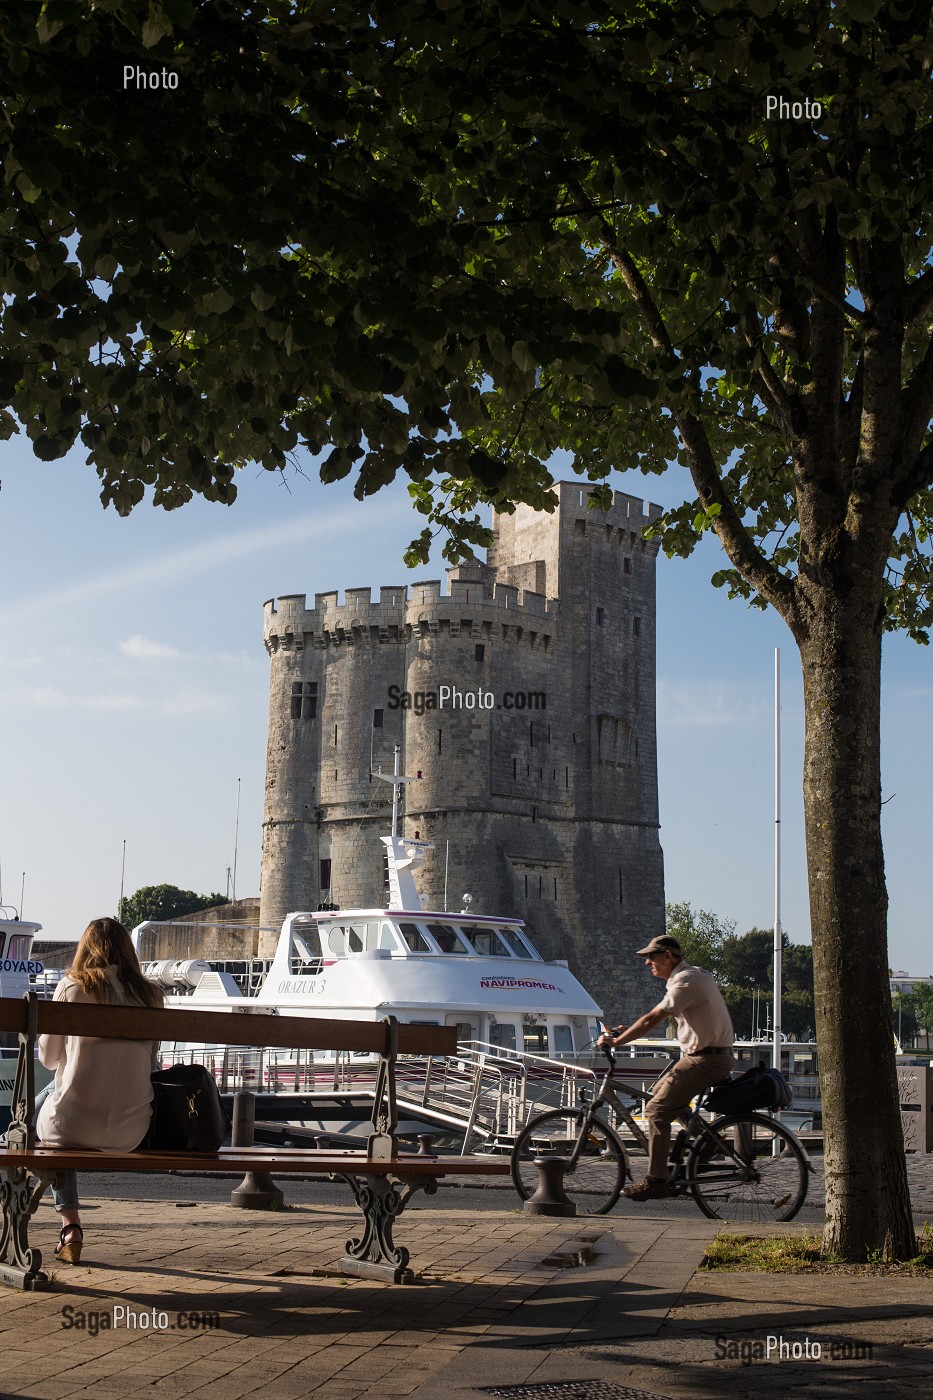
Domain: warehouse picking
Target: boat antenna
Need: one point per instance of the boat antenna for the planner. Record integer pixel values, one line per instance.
(446, 864)
(398, 781)
(396, 787)
(236, 837)
(22, 894)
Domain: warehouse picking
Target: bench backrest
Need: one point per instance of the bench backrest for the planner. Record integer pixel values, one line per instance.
(239, 1028)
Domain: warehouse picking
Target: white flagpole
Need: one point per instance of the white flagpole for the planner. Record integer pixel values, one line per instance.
(776, 1050)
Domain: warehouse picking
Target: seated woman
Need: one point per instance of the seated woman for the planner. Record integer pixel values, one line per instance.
(102, 1092)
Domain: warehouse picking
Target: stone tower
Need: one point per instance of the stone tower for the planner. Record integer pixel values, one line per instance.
(540, 797)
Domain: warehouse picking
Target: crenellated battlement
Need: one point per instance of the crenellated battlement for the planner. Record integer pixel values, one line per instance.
(400, 610)
(634, 511)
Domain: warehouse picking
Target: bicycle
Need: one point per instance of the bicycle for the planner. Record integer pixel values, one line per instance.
(747, 1167)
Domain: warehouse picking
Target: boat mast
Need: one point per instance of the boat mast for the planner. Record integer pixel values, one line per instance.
(396, 787)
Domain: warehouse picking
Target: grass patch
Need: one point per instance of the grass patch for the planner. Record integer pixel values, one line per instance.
(804, 1254)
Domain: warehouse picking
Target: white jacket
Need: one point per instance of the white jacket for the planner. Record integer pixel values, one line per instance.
(103, 1094)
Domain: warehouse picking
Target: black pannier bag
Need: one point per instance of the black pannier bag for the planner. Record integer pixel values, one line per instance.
(759, 1087)
(187, 1115)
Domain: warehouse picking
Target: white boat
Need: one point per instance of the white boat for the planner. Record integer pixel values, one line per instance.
(478, 973)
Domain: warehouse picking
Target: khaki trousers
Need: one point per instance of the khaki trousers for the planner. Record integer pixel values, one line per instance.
(674, 1091)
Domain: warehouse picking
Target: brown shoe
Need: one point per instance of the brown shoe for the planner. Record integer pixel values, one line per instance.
(647, 1190)
(68, 1249)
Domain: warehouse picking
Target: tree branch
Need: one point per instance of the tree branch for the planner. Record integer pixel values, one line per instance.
(767, 580)
(919, 300)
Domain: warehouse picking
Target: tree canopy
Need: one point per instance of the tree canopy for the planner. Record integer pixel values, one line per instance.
(743, 965)
(448, 239)
(164, 902)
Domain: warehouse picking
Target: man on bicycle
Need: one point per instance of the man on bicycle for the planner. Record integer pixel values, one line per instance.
(704, 1030)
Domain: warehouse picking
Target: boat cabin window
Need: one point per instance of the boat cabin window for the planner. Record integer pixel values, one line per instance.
(485, 941)
(514, 940)
(502, 1035)
(534, 1039)
(387, 938)
(302, 962)
(19, 945)
(415, 940)
(446, 938)
(354, 938)
(563, 1040)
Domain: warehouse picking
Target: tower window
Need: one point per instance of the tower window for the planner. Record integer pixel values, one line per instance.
(636, 626)
(325, 877)
(600, 616)
(440, 740)
(626, 565)
(377, 719)
(479, 652)
(304, 700)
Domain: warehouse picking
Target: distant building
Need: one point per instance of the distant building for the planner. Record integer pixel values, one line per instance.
(525, 697)
(904, 983)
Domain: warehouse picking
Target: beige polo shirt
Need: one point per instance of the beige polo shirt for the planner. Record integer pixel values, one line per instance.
(702, 1016)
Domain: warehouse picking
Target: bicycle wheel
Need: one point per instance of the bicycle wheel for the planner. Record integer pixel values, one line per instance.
(597, 1167)
(748, 1168)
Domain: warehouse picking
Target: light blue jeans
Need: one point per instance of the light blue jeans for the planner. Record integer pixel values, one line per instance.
(65, 1183)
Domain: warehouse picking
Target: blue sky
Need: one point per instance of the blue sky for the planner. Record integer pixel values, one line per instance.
(135, 690)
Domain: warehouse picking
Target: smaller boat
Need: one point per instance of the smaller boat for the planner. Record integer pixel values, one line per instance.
(17, 967)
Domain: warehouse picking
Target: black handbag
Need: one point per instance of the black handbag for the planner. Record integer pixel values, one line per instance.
(187, 1115)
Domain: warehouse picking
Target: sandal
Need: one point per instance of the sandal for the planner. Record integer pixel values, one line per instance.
(69, 1250)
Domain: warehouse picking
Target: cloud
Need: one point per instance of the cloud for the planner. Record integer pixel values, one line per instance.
(140, 648)
(144, 649)
(706, 705)
(185, 702)
(207, 555)
(47, 698)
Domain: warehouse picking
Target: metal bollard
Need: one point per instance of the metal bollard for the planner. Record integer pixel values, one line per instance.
(257, 1190)
(425, 1144)
(322, 1142)
(550, 1197)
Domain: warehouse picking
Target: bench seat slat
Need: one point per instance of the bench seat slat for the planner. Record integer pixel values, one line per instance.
(245, 1028)
(248, 1159)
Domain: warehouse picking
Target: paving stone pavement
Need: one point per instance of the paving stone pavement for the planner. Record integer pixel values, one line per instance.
(501, 1302)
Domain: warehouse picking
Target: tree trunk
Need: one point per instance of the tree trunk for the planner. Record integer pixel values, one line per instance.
(867, 1200)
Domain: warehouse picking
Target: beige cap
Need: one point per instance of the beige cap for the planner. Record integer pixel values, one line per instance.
(664, 943)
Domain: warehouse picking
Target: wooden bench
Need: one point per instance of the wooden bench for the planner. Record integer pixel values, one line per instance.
(382, 1178)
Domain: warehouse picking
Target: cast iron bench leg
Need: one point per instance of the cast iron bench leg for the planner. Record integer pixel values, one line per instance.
(20, 1266)
(381, 1199)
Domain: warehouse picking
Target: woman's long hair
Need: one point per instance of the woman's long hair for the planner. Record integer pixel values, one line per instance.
(105, 944)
